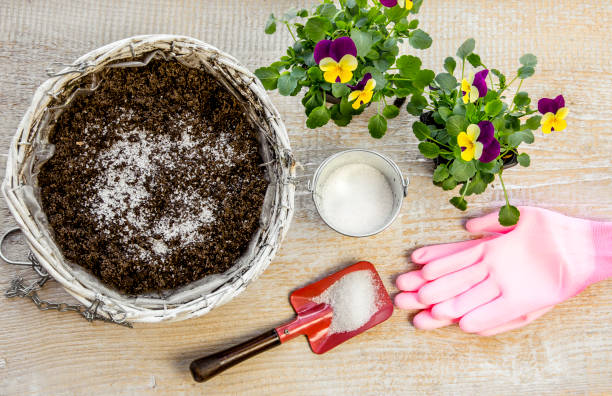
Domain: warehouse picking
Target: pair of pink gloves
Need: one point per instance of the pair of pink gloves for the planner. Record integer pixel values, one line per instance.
(509, 278)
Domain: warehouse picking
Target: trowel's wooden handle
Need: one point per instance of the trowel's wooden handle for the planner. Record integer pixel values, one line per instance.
(207, 367)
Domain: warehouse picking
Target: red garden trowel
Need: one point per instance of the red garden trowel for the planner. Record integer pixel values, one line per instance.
(313, 320)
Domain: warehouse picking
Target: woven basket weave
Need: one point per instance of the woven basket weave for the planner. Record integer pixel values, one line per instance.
(30, 148)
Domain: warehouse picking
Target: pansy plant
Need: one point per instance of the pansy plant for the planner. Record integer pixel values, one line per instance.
(345, 56)
(473, 131)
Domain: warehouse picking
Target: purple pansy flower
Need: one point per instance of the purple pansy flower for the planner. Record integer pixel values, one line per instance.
(407, 4)
(490, 145)
(361, 84)
(474, 87)
(480, 82)
(337, 58)
(546, 105)
(554, 111)
(335, 49)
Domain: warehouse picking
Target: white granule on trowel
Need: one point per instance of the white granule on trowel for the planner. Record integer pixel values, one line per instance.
(353, 299)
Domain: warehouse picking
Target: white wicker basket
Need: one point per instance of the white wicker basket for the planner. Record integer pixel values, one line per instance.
(30, 148)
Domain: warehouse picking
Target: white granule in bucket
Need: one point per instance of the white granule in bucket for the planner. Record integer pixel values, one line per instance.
(353, 299)
(356, 199)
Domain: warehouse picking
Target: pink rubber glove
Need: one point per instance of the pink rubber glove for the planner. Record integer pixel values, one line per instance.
(509, 279)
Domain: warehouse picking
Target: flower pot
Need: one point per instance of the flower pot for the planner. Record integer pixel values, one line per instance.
(332, 99)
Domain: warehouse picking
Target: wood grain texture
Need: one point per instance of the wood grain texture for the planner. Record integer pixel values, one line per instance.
(568, 350)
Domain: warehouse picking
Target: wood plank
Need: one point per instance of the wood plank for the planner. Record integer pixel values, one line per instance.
(568, 350)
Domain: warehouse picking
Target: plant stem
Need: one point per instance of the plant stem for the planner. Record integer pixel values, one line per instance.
(506, 87)
(290, 31)
(463, 70)
(441, 144)
(467, 183)
(517, 91)
(503, 187)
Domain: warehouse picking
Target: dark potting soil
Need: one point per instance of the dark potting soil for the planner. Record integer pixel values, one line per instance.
(155, 181)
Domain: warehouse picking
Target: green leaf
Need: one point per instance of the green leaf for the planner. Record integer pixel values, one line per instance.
(534, 122)
(459, 203)
(381, 82)
(520, 136)
(363, 41)
(389, 44)
(377, 126)
(420, 40)
(408, 65)
(315, 100)
(444, 112)
(423, 78)
(522, 99)
(500, 77)
(489, 167)
(456, 124)
(286, 84)
(418, 101)
(339, 90)
(327, 10)
(462, 170)
(412, 109)
(315, 74)
(413, 24)
(449, 184)
(318, 117)
(529, 60)
(385, 62)
(291, 14)
(450, 64)
(446, 81)
(429, 150)
(421, 131)
(346, 107)
(499, 124)
(466, 48)
(525, 72)
(508, 215)
(494, 108)
(459, 109)
(298, 73)
(270, 25)
(395, 13)
(339, 118)
(317, 27)
(474, 59)
(441, 173)
(477, 184)
(268, 77)
(390, 111)
(524, 159)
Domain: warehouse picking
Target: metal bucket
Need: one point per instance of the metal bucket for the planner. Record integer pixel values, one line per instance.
(397, 183)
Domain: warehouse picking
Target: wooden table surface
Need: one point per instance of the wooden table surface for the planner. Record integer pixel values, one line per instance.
(568, 350)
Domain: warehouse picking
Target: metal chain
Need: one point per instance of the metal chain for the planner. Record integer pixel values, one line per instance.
(20, 289)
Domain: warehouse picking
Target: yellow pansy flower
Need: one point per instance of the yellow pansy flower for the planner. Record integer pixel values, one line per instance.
(554, 121)
(362, 92)
(341, 71)
(468, 141)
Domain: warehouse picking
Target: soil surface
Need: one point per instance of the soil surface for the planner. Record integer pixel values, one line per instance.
(155, 181)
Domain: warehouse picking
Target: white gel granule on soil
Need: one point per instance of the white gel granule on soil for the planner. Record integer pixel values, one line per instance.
(353, 299)
(357, 199)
